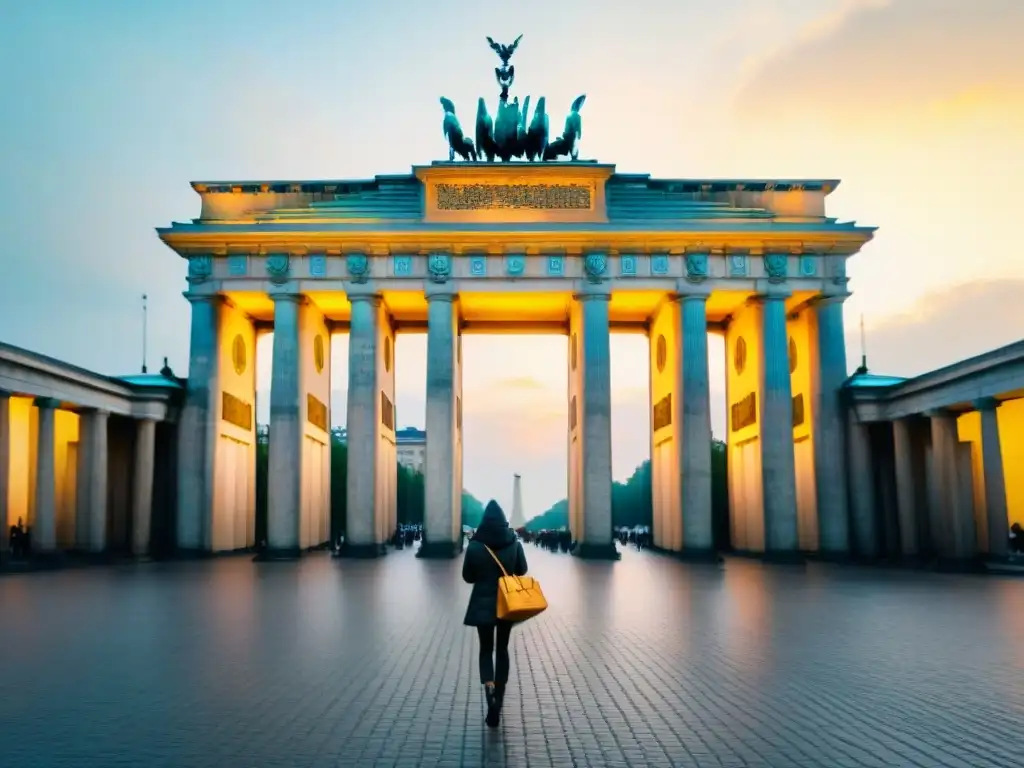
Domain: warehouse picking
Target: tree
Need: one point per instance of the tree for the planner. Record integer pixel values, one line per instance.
(410, 490)
(632, 502)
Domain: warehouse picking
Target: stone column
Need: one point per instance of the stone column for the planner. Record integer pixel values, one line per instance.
(595, 425)
(695, 426)
(861, 478)
(443, 500)
(828, 341)
(197, 430)
(5, 470)
(142, 486)
(44, 528)
(906, 487)
(362, 537)
(284, 475)
(95, 457)
(778, 464)
(945, 477)
(996, 513)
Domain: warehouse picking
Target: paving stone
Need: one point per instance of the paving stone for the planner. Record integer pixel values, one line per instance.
(643, 662)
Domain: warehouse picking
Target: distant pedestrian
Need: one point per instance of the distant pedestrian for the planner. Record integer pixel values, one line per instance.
(480, 569)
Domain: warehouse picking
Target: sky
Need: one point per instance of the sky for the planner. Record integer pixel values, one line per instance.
(113, 106)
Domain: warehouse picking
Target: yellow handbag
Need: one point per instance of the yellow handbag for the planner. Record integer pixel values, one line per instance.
(519, 597)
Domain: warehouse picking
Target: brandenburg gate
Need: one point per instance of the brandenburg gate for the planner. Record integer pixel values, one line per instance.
(569, 247)
(539, 245)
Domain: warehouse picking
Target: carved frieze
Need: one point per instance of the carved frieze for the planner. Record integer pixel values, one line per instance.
(403, 266)
(744, 412)
(515, 265)
(537, 197)
(627, 265)
(659, 264)
(316, 412)
(238, 265)
(236, 411)
(387, 412)
(478, 265)
(556, 265)
(798, 410)
(662, 415)
(808, 265)
(738, 265)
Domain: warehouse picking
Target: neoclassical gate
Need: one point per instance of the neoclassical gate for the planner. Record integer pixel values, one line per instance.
(570, 247)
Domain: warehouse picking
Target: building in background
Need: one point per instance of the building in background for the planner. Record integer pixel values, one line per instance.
(411, 446)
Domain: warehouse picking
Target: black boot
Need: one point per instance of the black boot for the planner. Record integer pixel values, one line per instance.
(493, 706)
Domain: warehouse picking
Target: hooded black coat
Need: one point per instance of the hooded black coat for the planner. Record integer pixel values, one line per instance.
(480, 570)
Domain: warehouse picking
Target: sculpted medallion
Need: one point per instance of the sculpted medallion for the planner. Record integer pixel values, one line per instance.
(277, 267)
(439, 266)
(199, 268)
(358, 267)
(595, 265)
(696, 267)
(775, 266)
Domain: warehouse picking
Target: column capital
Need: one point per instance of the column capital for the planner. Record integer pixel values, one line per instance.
(828, 299)
(599, 291)
(297, 298)
(687, 290)
(203, 298)
(939, 413)
(97, 412)
(5, 394)
(986, 404)
(48, 403)
(440, 292)
(779, 294)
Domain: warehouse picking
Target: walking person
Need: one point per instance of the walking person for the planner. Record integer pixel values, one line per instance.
(480, 569)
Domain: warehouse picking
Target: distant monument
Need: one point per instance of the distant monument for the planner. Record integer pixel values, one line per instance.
(517, 521)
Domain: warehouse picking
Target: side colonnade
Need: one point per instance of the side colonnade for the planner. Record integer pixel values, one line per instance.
(84, 459)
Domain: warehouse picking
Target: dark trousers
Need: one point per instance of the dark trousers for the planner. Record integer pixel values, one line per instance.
(491, 669)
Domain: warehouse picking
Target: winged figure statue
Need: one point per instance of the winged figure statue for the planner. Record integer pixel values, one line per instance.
(504, 51)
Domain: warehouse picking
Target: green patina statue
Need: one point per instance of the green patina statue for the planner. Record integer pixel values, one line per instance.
(511, 133)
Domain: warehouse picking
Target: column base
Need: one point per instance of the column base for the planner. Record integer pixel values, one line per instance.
(838, 558)
(589, 551)
(708, 556)
(362, 551)
(278, 555)
(192, 554)
(959, 565)
(439, 550)
(784, 558)
(42, 561)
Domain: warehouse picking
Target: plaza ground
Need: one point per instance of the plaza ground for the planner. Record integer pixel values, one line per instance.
(644, 662)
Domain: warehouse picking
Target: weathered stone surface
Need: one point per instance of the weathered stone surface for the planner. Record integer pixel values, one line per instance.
(644, 662)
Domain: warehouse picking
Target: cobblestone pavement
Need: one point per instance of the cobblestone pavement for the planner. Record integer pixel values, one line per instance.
(644, 662)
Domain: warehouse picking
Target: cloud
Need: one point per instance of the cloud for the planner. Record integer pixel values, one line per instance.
(885, 62)
(945, 326)
(519, 383)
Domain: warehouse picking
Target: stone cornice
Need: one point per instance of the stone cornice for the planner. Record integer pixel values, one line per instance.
(749, 236)
(338, 186)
